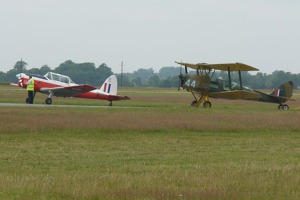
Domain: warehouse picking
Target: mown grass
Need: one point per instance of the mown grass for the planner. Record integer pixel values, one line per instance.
(160, 150)
(149, 165)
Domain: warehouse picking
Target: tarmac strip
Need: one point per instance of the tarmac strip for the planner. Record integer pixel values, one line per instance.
(60, 106)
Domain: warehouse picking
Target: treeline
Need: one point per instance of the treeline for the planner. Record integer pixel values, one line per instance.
(166, 77)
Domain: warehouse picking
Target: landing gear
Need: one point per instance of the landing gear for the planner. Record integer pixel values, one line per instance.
(48, 101)
(110, 103)
(204, 99)
(206, 104)
(193, 104)
(283, 107)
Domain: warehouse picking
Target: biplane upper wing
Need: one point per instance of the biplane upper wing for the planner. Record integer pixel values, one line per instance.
(223, 66)
(68, 91)
(235, 94)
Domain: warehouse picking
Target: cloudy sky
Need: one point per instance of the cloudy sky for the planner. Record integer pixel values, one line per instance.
(151, 33)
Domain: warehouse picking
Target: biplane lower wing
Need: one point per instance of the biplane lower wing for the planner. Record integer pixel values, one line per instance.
(68, 91)
(236, 94)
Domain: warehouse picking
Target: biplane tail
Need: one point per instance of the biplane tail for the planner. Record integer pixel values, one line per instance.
(110, 86)
(285, 90)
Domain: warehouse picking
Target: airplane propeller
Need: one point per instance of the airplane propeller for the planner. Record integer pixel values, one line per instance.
(180, 79)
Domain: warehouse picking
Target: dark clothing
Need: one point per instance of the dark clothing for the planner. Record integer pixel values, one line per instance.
(30, 97)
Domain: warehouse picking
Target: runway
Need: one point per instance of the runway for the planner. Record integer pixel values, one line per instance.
(60, 106)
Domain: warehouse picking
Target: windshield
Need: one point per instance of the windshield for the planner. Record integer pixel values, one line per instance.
(58, 77)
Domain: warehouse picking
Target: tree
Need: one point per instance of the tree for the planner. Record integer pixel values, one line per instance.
(154, 81)
(165, 72)
(258, 81)
(143, 74)
(2, 77)
(11, 76)
(170, 82)
(20, 66)
(101, 74)
(34, 71)
(125, 81)
(44, 69)
(137, 82)
(279, 77)
(78, 72)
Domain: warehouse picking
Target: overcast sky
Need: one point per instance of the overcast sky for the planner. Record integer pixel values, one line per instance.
(151, 33)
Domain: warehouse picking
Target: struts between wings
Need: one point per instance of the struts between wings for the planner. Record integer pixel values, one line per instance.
(59, 85)
(203, 86)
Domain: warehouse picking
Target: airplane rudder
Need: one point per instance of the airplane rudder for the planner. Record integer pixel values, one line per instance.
(286, 89)
(114, 84)
(110, 85)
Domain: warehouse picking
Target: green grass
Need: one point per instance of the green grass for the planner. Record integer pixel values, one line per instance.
(162, 150)
(106, 164)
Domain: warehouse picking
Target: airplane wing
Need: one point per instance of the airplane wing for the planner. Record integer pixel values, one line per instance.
(222, 67)
(235, 94)
(13, 84)
(68, 91)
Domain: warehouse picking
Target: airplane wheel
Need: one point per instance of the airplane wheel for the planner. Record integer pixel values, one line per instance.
(279, 107)
(283, 107)
(206, 104)
(110, 104)
(193, 103)
(48, 101)
(27, 100)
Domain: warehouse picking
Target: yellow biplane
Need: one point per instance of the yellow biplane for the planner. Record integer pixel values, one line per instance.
(202, 84)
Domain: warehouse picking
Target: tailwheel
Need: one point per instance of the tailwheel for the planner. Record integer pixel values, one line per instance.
(206, 104)
(48, 101)
(110, 103)
(283, 107)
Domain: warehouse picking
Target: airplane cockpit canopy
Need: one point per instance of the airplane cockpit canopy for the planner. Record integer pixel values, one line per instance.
(58, 77)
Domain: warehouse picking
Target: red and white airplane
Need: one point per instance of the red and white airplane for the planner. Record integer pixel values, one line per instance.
(54, 84)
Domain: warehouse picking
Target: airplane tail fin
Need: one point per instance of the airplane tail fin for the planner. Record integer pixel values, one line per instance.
(285, 90)
(110, 86)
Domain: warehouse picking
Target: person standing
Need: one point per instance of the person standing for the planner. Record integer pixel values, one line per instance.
(30, 89)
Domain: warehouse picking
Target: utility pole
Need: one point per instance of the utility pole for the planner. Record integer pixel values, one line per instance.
(21, 67)
(122, 74)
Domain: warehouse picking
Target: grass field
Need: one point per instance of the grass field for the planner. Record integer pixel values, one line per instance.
(154, 146)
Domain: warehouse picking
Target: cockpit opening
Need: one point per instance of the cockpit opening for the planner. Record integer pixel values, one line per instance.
(58, 77)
